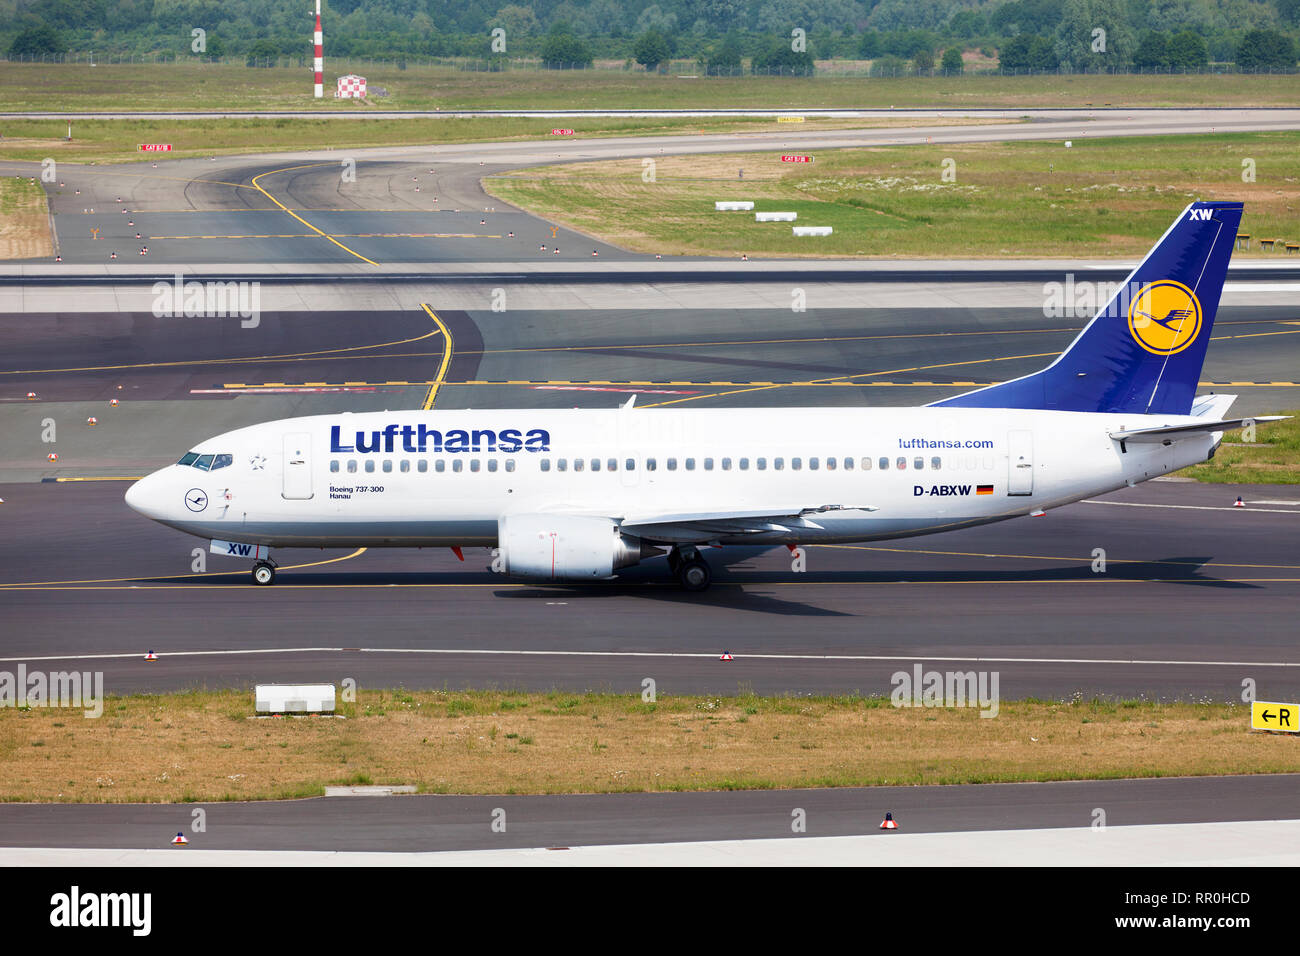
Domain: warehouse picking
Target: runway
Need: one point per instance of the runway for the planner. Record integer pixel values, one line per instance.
(432, 823)
(420, 204)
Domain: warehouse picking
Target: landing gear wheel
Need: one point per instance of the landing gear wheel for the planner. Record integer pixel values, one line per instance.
(694, 575)
(263, 573)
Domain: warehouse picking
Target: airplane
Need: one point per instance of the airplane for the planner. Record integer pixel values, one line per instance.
(577, 495)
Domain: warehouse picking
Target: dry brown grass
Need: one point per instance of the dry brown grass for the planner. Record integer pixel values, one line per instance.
(206, 746)
(24, 221)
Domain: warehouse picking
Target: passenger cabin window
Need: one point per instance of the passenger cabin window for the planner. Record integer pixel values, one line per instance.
(440, 465)
(334, 466)
(422, 465)
(744, 464)
(561, 464)
(475, 465)
(778, 464)
(388, 464)
(848, 464)
(796, 464)
(884, 464)
(595, 464)
(651, 464)
(866, 464)
(546, 464)
(457, 465)
(629, 464)
(352, 467)
(510, 464)
(936, 463)
(611, 464)
(918, 463)
(690, 464)
(762, 464)
(830, 464)
(813, 464)
(726, 464)
(405, 466)
(492, 464)
(577, 464)
(370, 464)
(708, 464)
(672, 464)
(901, 463)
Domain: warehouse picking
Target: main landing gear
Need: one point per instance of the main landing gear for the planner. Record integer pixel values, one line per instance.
(264, 572)
(690, 568)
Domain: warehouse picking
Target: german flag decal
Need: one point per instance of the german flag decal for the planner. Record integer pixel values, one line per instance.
(983, 489)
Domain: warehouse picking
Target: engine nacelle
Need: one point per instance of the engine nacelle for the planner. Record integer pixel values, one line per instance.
(566, 547)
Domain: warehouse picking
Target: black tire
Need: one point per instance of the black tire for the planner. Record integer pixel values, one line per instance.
(695, 576)
(263, 574)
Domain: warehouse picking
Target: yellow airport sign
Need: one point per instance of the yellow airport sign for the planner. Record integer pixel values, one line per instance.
(1268, 715)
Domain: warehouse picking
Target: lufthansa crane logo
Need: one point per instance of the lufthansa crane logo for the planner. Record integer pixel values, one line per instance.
(196, 499)
(1165, 317)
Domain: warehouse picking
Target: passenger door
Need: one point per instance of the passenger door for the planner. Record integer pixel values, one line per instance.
(297, 466)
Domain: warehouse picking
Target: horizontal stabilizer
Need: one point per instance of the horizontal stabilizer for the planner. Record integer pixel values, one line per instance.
(1170, 433)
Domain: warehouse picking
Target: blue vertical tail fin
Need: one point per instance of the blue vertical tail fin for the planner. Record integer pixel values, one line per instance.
(1144, 350)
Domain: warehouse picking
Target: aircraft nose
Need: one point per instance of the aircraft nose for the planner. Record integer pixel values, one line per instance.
(142, 496)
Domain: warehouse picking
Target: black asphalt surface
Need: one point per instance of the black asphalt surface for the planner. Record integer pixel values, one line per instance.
(581, 358)
(429, 823)
(1191, 603)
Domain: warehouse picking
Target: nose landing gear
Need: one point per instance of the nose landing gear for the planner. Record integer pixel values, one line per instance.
(264, 572)
(690, 568)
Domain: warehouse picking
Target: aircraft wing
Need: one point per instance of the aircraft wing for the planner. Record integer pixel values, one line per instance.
(1172, 433)
(695, 527)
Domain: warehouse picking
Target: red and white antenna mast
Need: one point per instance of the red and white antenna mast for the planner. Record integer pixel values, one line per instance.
(320, 56)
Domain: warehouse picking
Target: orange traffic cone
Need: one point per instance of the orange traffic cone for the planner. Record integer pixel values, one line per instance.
(112, 403)
(888, 823)
(1239, 503)
(726, 656)
(92, 420)
(180, 840)
(52, 456)
(151, 656)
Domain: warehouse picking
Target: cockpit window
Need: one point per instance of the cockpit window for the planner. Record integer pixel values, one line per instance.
(188, 458)
(204, 462)
(221, 461)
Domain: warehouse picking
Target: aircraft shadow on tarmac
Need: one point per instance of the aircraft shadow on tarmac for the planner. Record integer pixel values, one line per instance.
(738, 584)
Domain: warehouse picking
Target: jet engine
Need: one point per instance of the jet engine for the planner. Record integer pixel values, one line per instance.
(566, 547)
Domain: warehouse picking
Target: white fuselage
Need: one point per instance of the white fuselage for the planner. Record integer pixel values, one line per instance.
(313, 482)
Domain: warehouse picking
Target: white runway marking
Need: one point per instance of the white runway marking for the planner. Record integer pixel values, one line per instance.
(1236, 844)
(1138, 504)
(710, 655)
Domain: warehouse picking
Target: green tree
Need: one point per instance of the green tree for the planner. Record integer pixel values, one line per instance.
(1094, 36)
(518, 22)
(951, 63)
(1262, 50)
(564, 51)
(263, 52)
(726, 59)
(38, 41)
(777, 58)
(1025, 53)
(651, 49)
(924, 62)
(1152, 52)
(869, 48)
(1187, 52)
